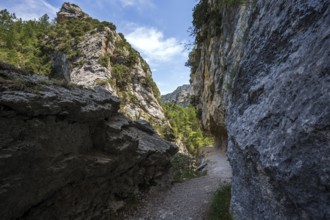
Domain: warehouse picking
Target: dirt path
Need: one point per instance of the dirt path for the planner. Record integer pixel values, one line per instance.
(189, 200)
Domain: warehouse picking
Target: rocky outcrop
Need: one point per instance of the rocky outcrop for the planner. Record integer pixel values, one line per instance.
(181, 96)
(61, 67)
(105, 59)
(66, 152)
(263, 79)
(70, 11)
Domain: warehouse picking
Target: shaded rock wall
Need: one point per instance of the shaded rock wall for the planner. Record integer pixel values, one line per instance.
(66, 152)
(264, 79)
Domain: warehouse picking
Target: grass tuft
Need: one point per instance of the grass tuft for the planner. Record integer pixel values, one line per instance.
(221, 204)
(184, 168)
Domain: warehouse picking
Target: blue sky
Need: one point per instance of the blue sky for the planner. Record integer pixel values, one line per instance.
(156, 28)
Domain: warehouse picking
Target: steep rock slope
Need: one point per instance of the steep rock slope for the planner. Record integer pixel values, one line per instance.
(103, 58)
(261, 71)
(66, 152)
(181, 96)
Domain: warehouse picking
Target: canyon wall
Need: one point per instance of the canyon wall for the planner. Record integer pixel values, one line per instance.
(180, 96)
(67, 153)
(261, 75)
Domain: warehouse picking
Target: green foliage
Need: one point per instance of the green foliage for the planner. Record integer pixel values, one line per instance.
(94, 23)
(121, 75)
(120, 44)
(193, 59)
(28, 44)
(200, 18)
(184, 167)
(204, 15)
(221, 204)
(63, 83)
(186, 126)
(122, 37)
(127, 96)
(19, 42)
(65, 37)
(104, 60)
(109, 37)
(132, 57)
(101, 82)
(150, 82)
(145, 66)
(206, 23)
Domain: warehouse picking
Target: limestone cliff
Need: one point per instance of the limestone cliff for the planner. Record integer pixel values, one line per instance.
(66, 152)
(261, 71)
(181, 96)
(103, 58)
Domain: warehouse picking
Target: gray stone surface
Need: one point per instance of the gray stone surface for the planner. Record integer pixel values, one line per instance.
(61, 67)
(181, 96)
(66, 152)
(265, 81)
(70, 11)
(137, 97)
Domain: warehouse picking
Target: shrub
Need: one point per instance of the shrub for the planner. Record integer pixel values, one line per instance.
(150, 82)
(120, 74)
(104, 60)
(186, 126)
(109, 24)
(132, 57)
(101, 82)
(205, 19)
(193, 59)
(145, 66)
(220, 207)
(19, 42)
(184, 167)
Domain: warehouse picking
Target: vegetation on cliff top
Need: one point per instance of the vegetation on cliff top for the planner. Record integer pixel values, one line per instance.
(20, 44)
(31, 44)
(204, 17)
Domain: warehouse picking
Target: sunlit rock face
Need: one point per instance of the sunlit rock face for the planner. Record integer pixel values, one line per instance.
(123, 72)
(67, 153)
(181, 96)
(264, 86)
(70, 11)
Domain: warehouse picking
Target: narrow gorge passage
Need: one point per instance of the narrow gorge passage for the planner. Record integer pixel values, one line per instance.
(189, 200)
(90, 130)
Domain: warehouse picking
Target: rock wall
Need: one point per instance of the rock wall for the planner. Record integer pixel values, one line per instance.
(107, 60)
(66, 152)
(263, 79)
(181, 96)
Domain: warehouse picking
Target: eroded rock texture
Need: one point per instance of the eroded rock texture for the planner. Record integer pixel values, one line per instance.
(181, 96)
(66, 152)
(264, 79)
(107, 60)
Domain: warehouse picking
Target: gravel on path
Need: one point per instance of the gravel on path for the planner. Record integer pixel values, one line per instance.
(189, 200)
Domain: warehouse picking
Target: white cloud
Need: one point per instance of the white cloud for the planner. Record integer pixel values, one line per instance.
(153, 45)
(29, 9)
(136, 3)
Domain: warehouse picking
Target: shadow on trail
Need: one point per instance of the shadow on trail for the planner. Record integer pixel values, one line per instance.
(188, 200)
